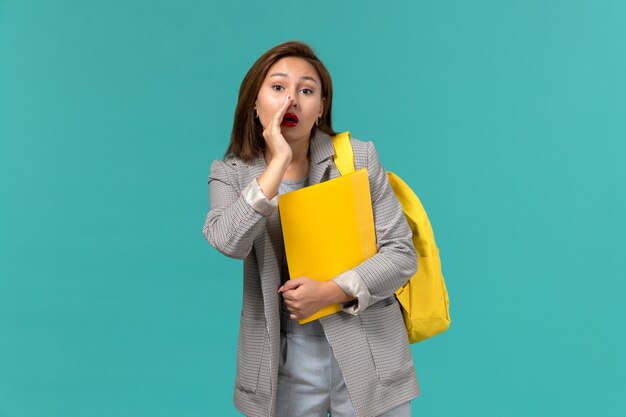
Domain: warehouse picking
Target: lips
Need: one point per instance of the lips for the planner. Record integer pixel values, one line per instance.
(289, 120)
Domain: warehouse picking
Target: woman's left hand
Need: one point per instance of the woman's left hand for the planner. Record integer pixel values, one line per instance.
(305, 296)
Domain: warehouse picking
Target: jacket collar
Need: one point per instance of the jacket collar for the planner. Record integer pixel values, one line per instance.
(321, 147)
(322, 152)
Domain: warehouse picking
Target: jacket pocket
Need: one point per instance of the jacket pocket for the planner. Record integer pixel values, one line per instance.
(388, 342)
(250, 347)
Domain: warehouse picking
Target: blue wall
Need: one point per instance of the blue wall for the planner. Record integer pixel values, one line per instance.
(507, 118)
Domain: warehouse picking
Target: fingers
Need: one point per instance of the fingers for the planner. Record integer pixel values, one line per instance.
(290, 294)
(292, 284)
(294, 314)
(278, 117)
(297, 311)
(291, 308)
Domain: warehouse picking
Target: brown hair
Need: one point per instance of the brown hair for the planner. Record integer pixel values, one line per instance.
(246, 139)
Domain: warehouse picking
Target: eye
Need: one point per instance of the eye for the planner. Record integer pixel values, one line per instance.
(277, 87)
(307, 91)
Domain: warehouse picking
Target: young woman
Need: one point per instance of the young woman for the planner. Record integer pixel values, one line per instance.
(356, 362)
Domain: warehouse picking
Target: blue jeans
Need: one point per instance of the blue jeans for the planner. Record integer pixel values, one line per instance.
(310, 383)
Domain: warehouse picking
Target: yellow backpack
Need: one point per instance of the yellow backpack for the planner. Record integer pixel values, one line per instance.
(424, 298)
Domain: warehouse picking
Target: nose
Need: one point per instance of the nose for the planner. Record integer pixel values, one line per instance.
(294, 102)
(294, 99)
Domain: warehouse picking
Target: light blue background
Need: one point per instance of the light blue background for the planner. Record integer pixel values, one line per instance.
(507, 118)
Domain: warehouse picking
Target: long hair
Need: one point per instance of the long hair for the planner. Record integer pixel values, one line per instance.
(246, 139)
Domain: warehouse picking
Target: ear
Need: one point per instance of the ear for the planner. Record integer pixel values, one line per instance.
(322, 107)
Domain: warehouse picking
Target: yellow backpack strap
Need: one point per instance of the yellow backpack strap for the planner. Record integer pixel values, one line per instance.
(344, 157)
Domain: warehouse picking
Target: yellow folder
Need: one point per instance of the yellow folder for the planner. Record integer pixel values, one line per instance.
(328, 228)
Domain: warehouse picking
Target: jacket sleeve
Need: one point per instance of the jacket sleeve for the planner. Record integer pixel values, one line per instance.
(235, 218)
(395, 261)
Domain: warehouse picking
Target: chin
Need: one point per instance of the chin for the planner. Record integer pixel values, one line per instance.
(294, 132)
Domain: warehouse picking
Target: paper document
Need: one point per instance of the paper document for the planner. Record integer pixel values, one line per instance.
(328, 228)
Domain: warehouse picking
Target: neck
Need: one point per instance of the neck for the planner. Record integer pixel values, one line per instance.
(300, 151)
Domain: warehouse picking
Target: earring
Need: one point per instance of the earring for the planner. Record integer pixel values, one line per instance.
(317, 121)
(256, 113)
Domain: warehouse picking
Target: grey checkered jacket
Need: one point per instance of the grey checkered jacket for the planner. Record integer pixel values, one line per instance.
(371, 347)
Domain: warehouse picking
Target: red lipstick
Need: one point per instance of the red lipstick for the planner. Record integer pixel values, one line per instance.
(289, 120)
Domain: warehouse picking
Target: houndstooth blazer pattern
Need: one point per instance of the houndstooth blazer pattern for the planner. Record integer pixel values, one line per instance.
(371, 348)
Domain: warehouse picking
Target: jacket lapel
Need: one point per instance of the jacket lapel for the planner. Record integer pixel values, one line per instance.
(322, 167)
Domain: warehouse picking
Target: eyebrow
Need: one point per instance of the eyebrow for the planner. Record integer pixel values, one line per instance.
(305, 77)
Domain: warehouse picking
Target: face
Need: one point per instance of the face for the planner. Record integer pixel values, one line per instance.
(296, 78)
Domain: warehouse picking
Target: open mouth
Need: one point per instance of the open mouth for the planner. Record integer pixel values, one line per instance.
(290, 120)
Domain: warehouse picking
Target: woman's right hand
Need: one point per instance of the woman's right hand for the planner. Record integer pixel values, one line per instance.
(276, 143)
(278, 156)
